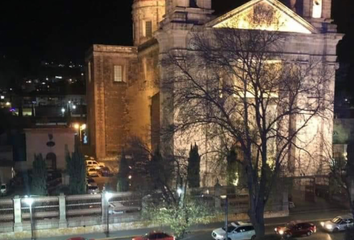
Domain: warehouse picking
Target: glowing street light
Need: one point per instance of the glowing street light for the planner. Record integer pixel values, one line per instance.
(29, 202)
(226, 213)
(77, 126)
(74, 107)
(108, 196)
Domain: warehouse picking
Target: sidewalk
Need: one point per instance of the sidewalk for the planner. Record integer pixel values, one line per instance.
(320, 204)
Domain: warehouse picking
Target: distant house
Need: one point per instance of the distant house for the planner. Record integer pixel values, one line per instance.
(52, 143)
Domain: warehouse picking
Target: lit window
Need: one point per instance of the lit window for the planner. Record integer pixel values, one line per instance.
(317, 9)
(148, 29)
(118, 73)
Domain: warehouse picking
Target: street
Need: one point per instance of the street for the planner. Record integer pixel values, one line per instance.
(203, 232)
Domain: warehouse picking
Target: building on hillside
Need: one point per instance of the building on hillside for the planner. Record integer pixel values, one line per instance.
(124, 93)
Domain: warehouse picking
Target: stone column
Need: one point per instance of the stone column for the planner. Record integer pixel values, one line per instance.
(17, 215)
(62, 212)
(285, 201)
(103, 207)
(217, 189)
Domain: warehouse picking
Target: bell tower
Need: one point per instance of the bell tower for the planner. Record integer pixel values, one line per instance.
(314, 9)
(189, 11)
(147, 14)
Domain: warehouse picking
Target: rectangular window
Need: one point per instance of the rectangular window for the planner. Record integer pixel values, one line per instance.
(118, 73)
(148, 29)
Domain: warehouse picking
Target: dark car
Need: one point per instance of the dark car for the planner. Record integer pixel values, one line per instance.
(155, 236)
(105, 171)
(296, 229)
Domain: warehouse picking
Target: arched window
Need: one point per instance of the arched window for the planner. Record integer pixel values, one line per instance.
(51, 160)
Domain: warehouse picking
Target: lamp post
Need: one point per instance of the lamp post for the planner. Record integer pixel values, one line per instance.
(79, 129)
(29, 202)
(108, 196)
(226, 215)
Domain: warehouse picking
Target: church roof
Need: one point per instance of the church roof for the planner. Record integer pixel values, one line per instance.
(287, 20)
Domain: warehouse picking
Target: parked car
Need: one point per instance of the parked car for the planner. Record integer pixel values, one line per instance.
(92, 163)
(118, 208)
(296, 229)
(114, 210)
(104, 171)
(339, 223)
(101, 164)
(3, 189)
(235, 231)
(155, 236)
(93, 190)
(91, 182)
(92, 172)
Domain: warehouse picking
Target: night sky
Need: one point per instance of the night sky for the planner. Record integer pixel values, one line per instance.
(62, 30)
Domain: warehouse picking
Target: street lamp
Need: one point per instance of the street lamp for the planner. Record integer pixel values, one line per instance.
(63, 111)
(108, 196)
(179, 191)
(226, 214)
(29, 202)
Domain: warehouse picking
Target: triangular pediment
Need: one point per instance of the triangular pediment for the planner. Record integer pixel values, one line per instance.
(269, 15)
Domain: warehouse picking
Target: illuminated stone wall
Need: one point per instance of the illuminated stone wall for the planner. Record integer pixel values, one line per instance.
(106, 99)
(146, 10)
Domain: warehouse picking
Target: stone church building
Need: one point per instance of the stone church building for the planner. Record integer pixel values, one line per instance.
(124, 93)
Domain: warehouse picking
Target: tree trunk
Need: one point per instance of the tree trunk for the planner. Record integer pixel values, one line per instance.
(256, 214)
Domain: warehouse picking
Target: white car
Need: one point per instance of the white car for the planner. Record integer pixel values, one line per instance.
(92, 172)
(3, 189)
(339, 223)
(236, 231)
(92, 163)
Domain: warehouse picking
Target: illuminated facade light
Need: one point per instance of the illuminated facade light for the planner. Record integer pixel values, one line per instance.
(8, 104)
(2, 97)
(76, 126)
(63, 110)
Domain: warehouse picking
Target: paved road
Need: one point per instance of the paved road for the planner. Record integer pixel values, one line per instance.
(203, 232)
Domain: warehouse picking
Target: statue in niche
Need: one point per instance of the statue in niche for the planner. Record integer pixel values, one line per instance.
(193, 3)
(317, 9)
(293, 5)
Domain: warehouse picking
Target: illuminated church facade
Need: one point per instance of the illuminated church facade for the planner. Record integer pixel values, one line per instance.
(124, 91)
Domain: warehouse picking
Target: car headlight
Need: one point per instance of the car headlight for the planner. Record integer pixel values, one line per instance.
(329, 226)
(322, 224)
(281, 232)
(275, 229)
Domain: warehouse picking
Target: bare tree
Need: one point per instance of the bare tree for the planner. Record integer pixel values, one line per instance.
(237, 85)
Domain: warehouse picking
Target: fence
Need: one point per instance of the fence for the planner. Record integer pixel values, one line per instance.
(66, 211)
(90, 210)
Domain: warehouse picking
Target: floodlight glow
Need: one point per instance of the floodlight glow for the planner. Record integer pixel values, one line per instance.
(179, 191)
(108, 195)
(28, 200)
